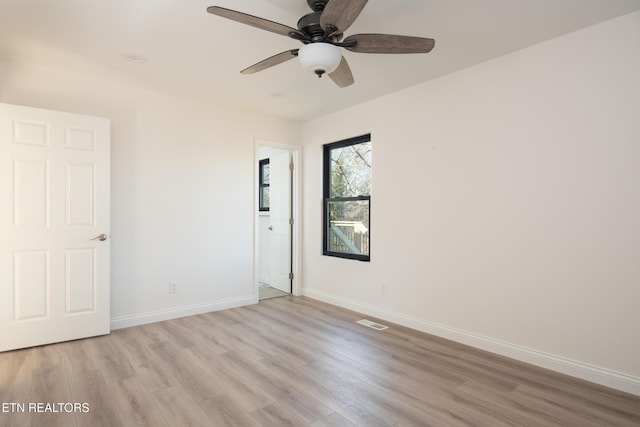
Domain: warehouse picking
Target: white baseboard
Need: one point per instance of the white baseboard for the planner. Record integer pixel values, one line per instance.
(598, 375)
(175, 313)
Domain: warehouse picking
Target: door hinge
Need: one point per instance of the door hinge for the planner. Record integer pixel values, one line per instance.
(290, 221)
(291, 276)
(291, 166)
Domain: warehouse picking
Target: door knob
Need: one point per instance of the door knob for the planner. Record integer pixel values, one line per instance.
(101, 237)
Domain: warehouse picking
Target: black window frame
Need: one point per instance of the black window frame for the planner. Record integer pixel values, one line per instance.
(261, 185)
(327, 199)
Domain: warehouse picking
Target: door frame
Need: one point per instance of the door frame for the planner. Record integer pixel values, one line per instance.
(296, 207)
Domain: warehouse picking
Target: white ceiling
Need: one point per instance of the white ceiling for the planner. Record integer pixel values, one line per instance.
(199, 55)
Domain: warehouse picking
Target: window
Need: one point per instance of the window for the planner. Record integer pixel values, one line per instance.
(347, 198)
(263, 185)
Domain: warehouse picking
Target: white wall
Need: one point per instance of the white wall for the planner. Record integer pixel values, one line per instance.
(505, 205)
(182, 186)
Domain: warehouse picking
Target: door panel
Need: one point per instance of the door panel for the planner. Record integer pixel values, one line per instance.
(54, 193)
(80, 281)
(31, 193)
(79, 195)
(31, 285)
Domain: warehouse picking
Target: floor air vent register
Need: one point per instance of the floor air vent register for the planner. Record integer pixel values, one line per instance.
(372, 325)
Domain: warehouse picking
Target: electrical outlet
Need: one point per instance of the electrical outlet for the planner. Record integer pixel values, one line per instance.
(173, 287)
(384, 288)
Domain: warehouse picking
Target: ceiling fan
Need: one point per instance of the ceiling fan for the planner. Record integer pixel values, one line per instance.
(321, 32)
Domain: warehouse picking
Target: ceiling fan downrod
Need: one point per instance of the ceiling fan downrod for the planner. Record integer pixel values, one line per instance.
(317, 5)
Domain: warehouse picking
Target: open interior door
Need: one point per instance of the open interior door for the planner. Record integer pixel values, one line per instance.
(280, 216)
(54, 226)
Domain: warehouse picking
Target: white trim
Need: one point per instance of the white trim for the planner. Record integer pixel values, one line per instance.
(176, 313)
(599, 375)
(296, 250)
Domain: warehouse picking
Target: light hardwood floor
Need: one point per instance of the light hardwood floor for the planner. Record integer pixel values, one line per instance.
(293, 361)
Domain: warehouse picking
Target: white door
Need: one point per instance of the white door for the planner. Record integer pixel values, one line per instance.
(279, 215)
(54, 202)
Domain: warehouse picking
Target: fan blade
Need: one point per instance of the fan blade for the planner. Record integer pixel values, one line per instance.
(342, 75)
(341, 13)
(254, 21)
(388, 43)
(270, 62)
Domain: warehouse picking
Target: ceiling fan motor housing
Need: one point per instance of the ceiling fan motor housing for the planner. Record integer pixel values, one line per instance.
(309, 24)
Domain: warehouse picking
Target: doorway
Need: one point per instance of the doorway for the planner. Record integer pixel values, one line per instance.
(276, 226)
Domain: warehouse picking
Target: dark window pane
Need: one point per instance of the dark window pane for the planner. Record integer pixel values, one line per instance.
(348, 228)
(263, 184)
(351, 171)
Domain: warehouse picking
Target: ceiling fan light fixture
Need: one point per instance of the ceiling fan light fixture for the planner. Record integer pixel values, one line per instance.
(320, 57)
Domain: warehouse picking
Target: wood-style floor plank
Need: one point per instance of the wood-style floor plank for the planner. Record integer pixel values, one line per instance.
(15, 387)
(50, 384)
(278, 415)
(178, 409)
(333, 420)
(90, 387)
(136, 404)
(224, 411)
(285, 390)
(242, 390)
(293, 361)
